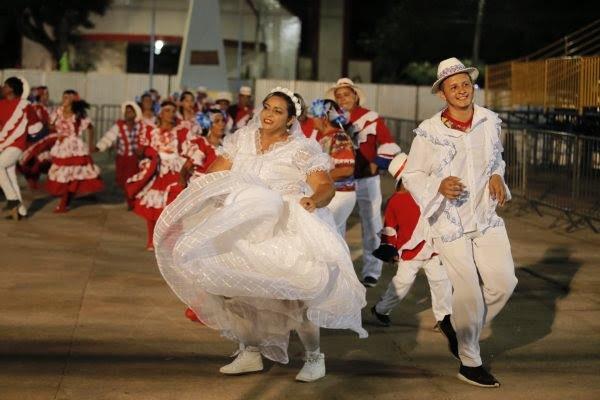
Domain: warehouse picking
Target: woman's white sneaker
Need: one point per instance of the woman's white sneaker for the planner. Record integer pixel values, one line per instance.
(248, 360)
(314, 367)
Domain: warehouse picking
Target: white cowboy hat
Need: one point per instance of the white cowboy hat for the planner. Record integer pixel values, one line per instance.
(449, 67)
(396, 167)
(223, 96)
(245, 91)
(201, 89)
(346, 82)
(134, 105)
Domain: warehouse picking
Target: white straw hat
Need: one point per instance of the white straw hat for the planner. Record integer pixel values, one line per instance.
(134, 105)
(449, 67)
(223, 96)
(245, 91)
(396, 167)
(346, 82)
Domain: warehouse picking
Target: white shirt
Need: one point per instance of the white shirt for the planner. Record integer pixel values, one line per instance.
(438, 152)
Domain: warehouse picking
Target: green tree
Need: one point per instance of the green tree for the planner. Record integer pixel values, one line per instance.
(54, 24)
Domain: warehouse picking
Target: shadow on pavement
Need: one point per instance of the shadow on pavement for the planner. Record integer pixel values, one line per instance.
(530, 313)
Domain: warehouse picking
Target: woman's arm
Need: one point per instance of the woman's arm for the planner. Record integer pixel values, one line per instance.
(323, 191)
(220, 164)
(340, 173)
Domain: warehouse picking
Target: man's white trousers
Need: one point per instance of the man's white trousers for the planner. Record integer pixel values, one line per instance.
(482, 273)
(368, 197)
(8, 174)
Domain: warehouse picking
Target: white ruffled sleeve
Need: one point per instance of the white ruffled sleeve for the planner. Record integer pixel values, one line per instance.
(419, 179)
(310, 158)
(109, 138)
(231, 145)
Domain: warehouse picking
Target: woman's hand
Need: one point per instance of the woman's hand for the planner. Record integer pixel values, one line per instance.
(308, 204)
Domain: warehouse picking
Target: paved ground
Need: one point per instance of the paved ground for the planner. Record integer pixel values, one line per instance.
(84, 314)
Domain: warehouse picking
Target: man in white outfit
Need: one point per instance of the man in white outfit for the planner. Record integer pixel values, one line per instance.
(375, 149)
(455, 174)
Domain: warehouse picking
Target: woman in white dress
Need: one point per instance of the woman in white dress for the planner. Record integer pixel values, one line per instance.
(251, 248)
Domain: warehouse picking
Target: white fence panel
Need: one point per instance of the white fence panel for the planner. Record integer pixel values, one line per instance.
(58, 82)
(104, 88)
(397, 101)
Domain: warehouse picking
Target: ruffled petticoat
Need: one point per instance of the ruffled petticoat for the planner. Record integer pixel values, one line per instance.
(161, 188)
(72, 169)
(252, 263)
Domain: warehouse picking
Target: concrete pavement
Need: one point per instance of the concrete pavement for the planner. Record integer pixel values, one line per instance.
(85, 314)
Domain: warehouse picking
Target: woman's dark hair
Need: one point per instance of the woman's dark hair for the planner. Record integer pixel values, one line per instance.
(78, 105)
(38, 91)
(80, 108)
(182, 97)
(15, 84)
(291, 108)
(168, 103)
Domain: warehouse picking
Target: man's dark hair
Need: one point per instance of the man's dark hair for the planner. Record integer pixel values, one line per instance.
(15, 84)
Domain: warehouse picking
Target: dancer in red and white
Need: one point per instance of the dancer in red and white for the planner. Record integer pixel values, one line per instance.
(187, 114)
(455, 173)
(17, 120)
(329, 120)
(241, 113)
(403, 241)
(375, 149)
(201, 151)
(36, 158)
(159, 171)
(202, 103)
(73, 172)
(125, 134)
(223, 101)
(147, 105)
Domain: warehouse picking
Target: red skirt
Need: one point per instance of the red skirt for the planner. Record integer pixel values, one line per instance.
(36, 158)
(77, 175)
(125, 168)
(155, 198)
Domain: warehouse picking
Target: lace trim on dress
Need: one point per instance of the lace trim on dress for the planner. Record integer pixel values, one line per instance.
(273, 146)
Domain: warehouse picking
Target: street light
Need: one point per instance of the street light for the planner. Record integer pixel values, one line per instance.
(158, 45)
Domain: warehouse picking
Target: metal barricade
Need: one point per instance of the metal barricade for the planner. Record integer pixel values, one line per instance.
(546, 168)
(402, 131)
(103, 116)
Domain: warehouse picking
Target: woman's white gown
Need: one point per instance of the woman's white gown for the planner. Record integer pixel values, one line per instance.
(237, 248)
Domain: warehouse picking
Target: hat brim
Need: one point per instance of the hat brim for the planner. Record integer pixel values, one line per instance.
(472, 71)
(330, 93)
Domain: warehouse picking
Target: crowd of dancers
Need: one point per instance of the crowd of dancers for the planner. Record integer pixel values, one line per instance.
(246, 208)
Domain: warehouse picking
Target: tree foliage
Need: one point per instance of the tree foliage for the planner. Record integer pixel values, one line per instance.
(54, 24)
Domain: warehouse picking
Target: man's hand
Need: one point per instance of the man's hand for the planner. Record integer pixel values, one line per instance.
(308, 204)
(497, 190)
(451, 187)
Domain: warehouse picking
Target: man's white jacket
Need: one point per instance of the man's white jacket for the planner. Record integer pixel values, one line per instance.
(433, 157)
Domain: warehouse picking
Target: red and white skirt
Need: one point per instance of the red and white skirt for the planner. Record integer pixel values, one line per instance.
(162, 186)
(72, 170)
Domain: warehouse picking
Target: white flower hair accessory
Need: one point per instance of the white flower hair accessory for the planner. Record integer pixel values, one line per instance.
(292, 97)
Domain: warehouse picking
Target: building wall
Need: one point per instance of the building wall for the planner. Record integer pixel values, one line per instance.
(331, 36)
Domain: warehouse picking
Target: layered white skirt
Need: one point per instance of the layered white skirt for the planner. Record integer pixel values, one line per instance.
(254, 264)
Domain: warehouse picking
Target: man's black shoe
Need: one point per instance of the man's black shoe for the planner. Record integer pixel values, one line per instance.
(477, 376)
(446, 327)
(369, 281)
(382, 318)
